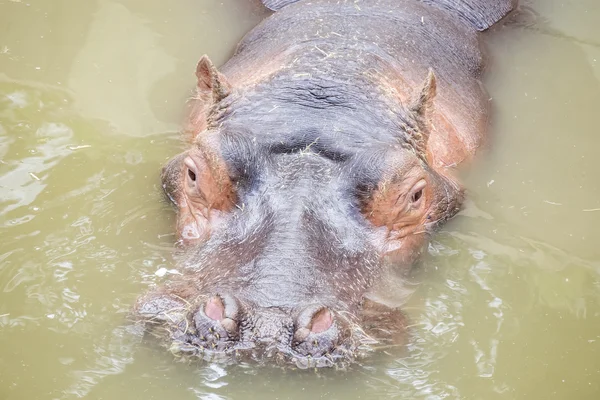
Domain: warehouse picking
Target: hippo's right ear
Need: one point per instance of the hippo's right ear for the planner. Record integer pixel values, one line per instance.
(210, 80)
(212, 87)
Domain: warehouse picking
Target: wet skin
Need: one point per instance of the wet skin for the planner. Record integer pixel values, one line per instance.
(317, 168)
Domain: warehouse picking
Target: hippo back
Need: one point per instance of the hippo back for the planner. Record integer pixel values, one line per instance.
(481, 14)
(394, 41)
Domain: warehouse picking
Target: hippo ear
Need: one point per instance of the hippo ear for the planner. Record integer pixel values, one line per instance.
(212, 87)
(210, 80)
(422, 108)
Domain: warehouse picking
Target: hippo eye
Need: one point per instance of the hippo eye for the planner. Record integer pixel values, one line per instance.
(416, 196)
(192, 175)
(416, 193)
(192, 171)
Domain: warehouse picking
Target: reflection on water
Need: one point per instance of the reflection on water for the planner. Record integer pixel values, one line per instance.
(91, 96)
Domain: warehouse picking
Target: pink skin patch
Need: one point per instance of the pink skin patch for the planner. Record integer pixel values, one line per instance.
(321, 321)
(215, 309)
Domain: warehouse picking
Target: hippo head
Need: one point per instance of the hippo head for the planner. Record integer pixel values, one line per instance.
(292, 203)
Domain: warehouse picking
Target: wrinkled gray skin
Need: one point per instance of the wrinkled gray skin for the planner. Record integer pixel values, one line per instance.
(320, 161)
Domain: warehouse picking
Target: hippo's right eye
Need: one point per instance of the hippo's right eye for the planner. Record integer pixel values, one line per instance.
(192, 171)
(205, 183)
(191, 175)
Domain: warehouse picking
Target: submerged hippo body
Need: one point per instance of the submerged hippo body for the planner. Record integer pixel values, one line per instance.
(320, 161)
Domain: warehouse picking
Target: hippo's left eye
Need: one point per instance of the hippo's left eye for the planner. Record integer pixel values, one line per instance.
(417, 196)
(417, 192)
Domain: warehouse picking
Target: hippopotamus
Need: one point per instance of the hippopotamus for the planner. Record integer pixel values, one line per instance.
(321, 159)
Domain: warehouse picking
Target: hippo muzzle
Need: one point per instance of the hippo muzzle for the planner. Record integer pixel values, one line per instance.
(219, 328)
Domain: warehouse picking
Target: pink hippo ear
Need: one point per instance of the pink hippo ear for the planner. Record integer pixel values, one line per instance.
(212, 87)
(422, 110)
(211, 81)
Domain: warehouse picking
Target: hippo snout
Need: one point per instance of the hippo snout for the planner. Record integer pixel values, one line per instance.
(221, 325)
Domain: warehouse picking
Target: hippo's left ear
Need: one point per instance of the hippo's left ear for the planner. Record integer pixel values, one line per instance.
(210, 80)
(422, 108)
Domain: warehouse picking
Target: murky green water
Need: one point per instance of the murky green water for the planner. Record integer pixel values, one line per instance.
(91, 95)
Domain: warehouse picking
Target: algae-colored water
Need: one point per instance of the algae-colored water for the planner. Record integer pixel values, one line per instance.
(91, 96)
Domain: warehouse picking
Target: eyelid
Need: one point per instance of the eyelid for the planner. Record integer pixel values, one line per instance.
(417, 187)
(420, 185)
(190, 164)
(406, 197)
(193, 186)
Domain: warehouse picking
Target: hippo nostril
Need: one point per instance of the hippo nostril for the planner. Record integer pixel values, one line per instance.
(321, 321)
(223, 309)
(313, 320)
(215, 309)
(317, 335)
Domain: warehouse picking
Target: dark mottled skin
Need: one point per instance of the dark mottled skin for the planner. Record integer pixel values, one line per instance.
(320, 161)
